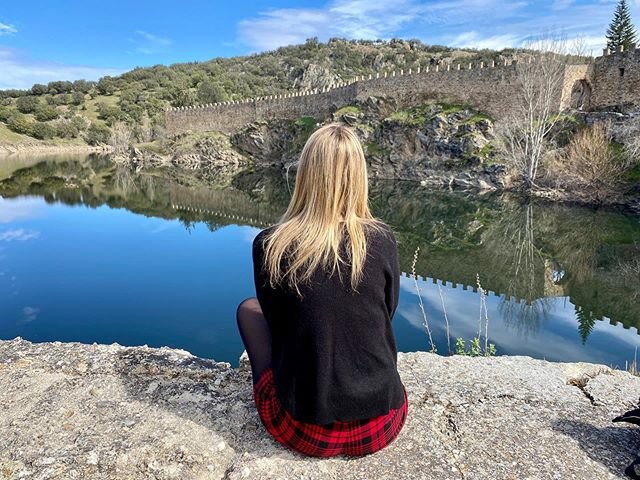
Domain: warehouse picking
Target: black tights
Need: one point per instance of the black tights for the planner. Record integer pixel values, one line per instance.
(256, 336)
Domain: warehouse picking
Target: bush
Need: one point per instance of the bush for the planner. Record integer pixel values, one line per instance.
(39, 89)
(27, 104)
(78, 98)
(6, 113)
(210, 92)
(98, 133)
(67, 129)
(80, 122)
(592, 165)
(43, 131)
(20, 124)
(44, 113)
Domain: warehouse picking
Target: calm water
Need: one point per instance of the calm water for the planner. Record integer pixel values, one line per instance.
(91, 253)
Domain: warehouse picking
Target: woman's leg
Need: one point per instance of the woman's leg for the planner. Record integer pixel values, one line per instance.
(256, 336)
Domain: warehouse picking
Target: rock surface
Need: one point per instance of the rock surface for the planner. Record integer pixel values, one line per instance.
(110, 412)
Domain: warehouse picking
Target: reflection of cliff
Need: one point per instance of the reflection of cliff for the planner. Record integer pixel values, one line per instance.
(527, 251)
(98, 182)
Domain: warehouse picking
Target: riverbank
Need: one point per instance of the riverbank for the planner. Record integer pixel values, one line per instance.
(7, 149)
(71, 410)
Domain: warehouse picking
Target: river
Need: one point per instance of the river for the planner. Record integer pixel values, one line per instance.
(94, 253)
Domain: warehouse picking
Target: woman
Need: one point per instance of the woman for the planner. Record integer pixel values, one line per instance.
(319, 335)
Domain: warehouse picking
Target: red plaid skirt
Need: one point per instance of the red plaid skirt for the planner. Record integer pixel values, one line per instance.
(353, 438)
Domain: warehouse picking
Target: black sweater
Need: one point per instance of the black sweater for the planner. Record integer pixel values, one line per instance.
(334, 350)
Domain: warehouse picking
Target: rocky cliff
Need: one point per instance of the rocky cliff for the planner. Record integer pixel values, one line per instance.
(108, 412)
(438, 144)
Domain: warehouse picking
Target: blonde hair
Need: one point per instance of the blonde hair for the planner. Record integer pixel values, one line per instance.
(330, 198)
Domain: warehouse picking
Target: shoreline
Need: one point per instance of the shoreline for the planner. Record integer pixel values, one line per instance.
(10, 150)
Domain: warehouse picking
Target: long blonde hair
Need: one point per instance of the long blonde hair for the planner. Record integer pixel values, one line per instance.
(330, 198)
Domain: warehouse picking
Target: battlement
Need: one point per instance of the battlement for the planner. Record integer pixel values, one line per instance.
(611, 80)
(481, 85)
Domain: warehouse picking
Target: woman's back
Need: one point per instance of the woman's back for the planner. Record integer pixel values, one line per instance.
(334, 351)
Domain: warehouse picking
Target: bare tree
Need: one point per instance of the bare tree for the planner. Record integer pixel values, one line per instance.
(524, 136)
(144, 131)
(121, 137)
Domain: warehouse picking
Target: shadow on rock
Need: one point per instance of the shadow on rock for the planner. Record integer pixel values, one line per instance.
(614, 447)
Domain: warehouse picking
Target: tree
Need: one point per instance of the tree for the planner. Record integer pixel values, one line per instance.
(27, 104)
(45, 113)
(210, 92)
(78, 98)
(39, 89)
(525, 134)
(98, 133)
(20, 124)
(621, 31)
(43, 131)
(120, 139)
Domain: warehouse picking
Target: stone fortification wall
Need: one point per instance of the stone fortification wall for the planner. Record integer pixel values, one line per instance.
(615, 79)
(488, 88)
(612, 80)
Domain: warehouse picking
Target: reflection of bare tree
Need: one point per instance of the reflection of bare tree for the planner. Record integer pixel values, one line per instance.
(513, 238)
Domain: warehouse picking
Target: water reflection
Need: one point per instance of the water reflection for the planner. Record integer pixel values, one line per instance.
(557, 275)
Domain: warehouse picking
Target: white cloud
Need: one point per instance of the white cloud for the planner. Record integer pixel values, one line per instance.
(30, 314)
(149, 43)
(365, 19)
(7, 29)
(495, 42)
(19, 235)
(19, 209)
(18, 71)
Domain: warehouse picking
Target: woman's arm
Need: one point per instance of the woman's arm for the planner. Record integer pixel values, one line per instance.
(392, 288)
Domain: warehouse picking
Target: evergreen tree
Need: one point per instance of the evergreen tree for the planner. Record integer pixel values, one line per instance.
(621, 30)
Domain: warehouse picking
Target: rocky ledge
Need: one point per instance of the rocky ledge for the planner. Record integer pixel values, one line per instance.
(110, 412)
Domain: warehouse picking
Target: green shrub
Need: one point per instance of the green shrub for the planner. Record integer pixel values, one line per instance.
(66, 129)
(44, 113)
(6, 113)
(20, 124)
(27, 104)
(98, 133)
(43, 131)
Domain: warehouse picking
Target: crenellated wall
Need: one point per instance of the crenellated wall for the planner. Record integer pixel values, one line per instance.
(484, 87)
(613, 79)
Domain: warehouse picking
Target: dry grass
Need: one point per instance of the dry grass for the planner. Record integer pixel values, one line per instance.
(591, 165)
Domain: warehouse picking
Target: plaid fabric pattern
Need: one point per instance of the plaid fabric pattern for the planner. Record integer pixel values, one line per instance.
(354, 438)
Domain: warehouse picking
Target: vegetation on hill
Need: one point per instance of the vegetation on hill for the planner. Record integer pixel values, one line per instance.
(88, 110)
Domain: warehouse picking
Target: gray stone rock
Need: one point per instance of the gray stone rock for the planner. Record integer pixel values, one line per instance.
(69, 410)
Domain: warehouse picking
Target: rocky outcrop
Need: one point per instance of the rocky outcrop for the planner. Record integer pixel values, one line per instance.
(110, 412)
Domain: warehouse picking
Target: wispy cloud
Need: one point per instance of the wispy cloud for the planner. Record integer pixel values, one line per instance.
(19, 209)
(494, 42)
(20, 71)
(461, 23)
(30, 314)
(18, 235)
(149, 43)
(7, 29)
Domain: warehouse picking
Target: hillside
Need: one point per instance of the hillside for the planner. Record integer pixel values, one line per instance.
(87, 110)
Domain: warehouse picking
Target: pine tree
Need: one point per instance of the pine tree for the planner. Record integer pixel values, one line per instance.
(621, 30)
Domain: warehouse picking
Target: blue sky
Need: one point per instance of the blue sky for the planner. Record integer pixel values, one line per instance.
(43, 40)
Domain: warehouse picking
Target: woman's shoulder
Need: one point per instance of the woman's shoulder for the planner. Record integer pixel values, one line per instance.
(382, 232)
(258, 240)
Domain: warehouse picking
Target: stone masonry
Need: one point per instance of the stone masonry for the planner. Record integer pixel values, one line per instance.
(612, 80)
